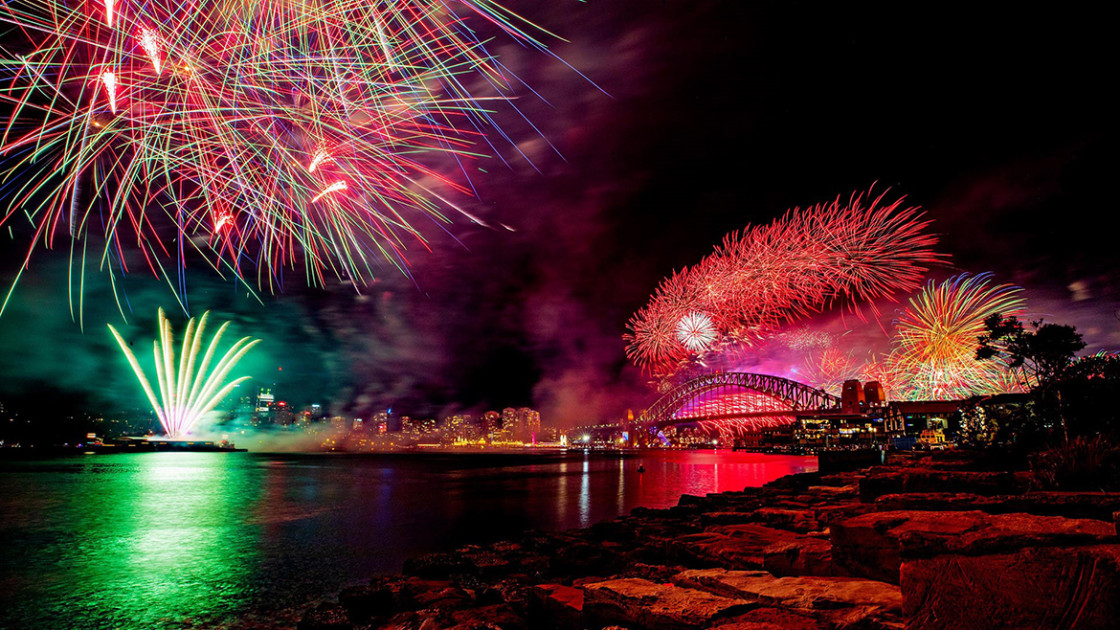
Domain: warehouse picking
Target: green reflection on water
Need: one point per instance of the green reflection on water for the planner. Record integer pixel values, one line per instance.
(155, 539)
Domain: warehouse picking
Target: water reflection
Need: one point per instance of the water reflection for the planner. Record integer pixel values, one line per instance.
(138, 543)
(620, 496)
(159, 540)
(585, 493)
(184, 551)
(562, 493)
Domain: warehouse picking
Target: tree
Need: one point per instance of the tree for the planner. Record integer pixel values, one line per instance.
(1091, 388)
(1041, 356)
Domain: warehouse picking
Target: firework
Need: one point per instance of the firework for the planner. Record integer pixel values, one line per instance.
(936, 338)
(763, 277)
(827, 369)
(264, 135)
(887, 371)
(801, 338)
(696, 331)
(190, 390)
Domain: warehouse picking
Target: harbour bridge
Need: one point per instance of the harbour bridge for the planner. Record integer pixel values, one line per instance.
(680, 404)
(740, 397)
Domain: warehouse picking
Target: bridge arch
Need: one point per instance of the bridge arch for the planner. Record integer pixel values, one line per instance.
(798, 395)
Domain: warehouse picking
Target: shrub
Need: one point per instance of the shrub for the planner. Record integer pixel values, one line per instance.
(1083, 463)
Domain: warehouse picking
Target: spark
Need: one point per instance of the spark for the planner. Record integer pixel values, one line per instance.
(149, 41)
(189, 391)
(937, 336)
(109, 80)
(320, 157)
(335, 187)
(222, 221)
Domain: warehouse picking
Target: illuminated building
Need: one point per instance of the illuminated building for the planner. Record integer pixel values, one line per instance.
(528, 425)
(460, 428)
(491, 422)
(509, 421)
(282, 414)
(264, 409)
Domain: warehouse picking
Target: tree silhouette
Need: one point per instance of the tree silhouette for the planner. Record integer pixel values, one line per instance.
(1041, 356)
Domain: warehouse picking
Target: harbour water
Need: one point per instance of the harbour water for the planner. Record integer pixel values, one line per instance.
(184, 540)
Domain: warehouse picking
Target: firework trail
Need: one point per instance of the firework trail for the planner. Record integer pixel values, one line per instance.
(887, 371)
(827, 369)
(763, 277)
(293, 133)
(189, 390)
(936, 339)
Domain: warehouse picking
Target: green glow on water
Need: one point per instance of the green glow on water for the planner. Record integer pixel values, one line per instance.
(146, 541)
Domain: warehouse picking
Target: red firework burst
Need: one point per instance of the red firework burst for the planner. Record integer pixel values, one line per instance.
(762, 277)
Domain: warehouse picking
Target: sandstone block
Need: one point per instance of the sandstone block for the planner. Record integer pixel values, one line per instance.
(845, 602)
(1093, 505)
(729, 546)
(486, 618)
(825, 515)
(640, 604)
(726, 518)
(556, 607)
(1036, 587)
(715, 550)
(325, 617)
(809, 556)
(800, 521)
(871, 545)
(767, 618)
(363, 602)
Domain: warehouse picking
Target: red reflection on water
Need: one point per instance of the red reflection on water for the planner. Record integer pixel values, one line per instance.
(601, 486)
(669, 475)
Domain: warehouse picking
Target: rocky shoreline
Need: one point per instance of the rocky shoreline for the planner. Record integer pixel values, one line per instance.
(917, 544)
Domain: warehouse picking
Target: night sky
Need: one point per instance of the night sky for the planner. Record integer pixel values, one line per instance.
(691, 119)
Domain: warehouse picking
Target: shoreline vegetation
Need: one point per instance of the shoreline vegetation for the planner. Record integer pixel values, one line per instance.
(931, 541)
